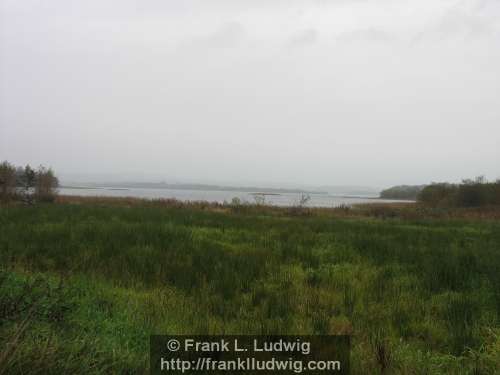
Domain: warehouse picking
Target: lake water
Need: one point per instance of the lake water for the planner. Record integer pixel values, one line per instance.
(282, 199)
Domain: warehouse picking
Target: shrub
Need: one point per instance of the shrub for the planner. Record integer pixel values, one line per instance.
(438, 194)
(7, 181)
(402, 192)
(469, 193)
(46, 184)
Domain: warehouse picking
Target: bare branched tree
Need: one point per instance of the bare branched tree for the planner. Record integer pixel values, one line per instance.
(260, 199)
(304, 199)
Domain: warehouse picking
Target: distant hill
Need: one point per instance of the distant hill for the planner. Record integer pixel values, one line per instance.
(163, 185)
(350, 190)
(409, 192)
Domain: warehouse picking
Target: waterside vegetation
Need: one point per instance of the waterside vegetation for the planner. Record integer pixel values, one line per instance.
(85, 281)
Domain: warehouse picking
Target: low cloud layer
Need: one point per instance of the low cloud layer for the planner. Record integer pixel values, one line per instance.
(279, 92)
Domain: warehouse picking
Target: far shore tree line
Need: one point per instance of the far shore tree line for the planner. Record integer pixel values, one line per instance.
(477, 192)
(27, 184)
(40, 185)
(470, 193)
(408, 192)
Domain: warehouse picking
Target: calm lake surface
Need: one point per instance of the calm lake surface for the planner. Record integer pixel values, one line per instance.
(282, 199)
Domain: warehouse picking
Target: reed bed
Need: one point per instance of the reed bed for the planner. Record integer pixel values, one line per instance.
(85, 281)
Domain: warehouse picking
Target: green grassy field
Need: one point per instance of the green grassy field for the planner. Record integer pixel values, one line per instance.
(82, 286)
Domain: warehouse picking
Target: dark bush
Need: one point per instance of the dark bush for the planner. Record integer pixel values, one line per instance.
(469, 193)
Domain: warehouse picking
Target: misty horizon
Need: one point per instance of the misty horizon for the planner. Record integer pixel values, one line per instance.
(107, 181)
(281, 94)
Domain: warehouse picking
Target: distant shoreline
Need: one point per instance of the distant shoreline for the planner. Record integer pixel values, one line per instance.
(92, 188)
(196, 187)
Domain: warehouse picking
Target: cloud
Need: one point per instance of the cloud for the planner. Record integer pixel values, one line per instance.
(457, 22)
(228, 35)
(303, 38)
(366, 35)
(464, 20)
(204, 90)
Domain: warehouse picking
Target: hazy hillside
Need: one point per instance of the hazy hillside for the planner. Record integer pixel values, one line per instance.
(409, 192)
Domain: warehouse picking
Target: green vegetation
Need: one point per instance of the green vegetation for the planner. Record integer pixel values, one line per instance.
(409, 192)
(27, 184)
(83, 284)
(470, 193)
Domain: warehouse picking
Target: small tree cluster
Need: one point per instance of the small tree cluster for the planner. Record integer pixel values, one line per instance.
(27, 184)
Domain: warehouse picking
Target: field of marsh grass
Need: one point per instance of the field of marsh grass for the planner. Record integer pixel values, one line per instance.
(85, 281)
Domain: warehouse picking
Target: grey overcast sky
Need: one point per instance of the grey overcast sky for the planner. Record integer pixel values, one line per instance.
(331, 92)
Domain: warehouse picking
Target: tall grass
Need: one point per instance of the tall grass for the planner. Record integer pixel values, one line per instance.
(95, 279)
